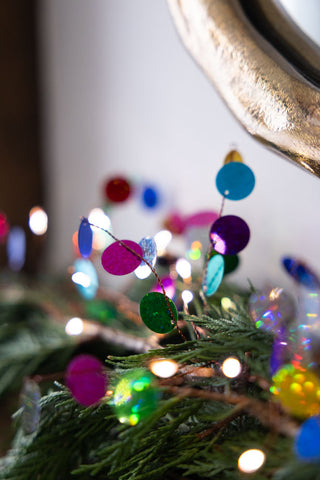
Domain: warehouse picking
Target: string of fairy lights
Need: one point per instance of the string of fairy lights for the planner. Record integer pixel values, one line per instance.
(295, 383)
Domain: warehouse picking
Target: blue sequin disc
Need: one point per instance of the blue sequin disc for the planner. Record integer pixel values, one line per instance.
(307, 444)
(85, 238)
(16, 248)
(235, 181)
(214, 275)
(301, 273)
(85, 277)
(150, 197)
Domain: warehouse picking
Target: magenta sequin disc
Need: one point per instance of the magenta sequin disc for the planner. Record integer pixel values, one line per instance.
(229, 235)
(86, 379)
(116, 259)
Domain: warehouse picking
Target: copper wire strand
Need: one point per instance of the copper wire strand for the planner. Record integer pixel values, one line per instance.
(173, 320)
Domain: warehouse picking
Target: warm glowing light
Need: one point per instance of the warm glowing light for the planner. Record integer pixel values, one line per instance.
(227, 304)
(183, 268)
(231, 367)
(101, 239)
(187, 296)
(164, 368)
(99, 218)
(81, 279)
(142, 272)
(275, 294)
(74, 326)
(38, 221)
(162, 239)
(251, 460)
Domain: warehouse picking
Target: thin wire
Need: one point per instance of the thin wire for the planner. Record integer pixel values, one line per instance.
(173, 319)
(204, 283)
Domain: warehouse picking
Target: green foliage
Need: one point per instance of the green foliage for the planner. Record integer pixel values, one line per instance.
(185, 437)
(29, 344)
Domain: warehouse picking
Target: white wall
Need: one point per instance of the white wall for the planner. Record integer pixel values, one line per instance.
(121, 94)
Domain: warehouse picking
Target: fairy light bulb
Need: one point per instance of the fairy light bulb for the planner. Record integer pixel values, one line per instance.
(142, 272)
(100, 238)
(183, 268)
(162, 239)
(187, 296)
(81, 278)
(231, 367)
(38, 221)
(164, 368)
(74, 326)
(251, 460)
(227, 304)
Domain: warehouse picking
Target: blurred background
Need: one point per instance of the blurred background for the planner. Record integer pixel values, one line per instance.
(94, 89)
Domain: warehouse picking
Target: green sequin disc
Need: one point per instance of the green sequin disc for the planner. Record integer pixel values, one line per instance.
(156, 314)
(135, 396)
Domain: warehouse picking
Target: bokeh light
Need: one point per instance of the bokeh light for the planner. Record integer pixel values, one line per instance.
(38, 221)
(187, 296)
(164, 368)
(74, 326)
(231, 367)
(183, 268)
(251, 460)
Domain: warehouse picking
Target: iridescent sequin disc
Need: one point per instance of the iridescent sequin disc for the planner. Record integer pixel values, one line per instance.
(149, 250)
(85, 238)
(117, 260)
(135, 396)
(214, 275)
(229, 235)
(156, 314)
(271, 309)
(235, 181)
(30, 402)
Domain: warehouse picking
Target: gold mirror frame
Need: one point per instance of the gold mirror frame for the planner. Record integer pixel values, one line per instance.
(264, 67)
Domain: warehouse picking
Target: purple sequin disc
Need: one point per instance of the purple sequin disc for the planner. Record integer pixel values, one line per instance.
(116, 259)
(86, 379)
(229, 235)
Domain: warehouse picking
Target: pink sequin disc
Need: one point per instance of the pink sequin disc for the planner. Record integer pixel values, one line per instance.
(118, 260)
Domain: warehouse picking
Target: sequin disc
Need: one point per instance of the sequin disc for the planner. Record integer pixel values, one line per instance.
(306, 443)
(155, 312)
(86, 379)
(301, 273)
(271, 309)
(150, 197)
(135, 396)
(214, 275)
(235, 181)
(149, 250)
(168, 285)
(117, 260)
(229, 235)
(16, 248)
(298, 391)
(85, 238)
(30, 402)
(85, 277)
(231, 262)
(117, 190)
